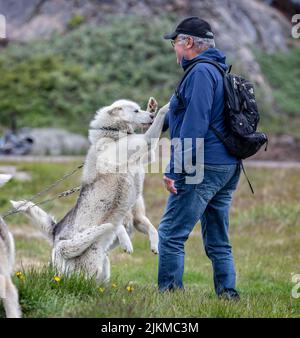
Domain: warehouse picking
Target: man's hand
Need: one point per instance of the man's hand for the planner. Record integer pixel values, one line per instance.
(169, 184)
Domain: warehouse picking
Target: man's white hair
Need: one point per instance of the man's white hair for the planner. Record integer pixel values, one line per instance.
(199, 42)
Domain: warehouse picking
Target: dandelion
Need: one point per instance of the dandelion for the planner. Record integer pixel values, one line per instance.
(20, 275)
(56, 279)
(101, 290)
(114, 286)
(129, 288)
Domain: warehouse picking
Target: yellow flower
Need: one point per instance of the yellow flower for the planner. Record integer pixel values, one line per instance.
(56, 279)
(114, 285)
(20, 275)
(101, 290)
(130, 288)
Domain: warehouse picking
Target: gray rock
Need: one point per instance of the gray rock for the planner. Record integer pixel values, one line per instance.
(52, 141)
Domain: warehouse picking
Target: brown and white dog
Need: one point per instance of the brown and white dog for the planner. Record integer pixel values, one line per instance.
(111, 199)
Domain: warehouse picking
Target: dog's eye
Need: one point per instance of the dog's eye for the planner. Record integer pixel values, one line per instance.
(136, 111)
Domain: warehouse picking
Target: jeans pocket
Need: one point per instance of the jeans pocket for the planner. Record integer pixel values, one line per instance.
(180, 183)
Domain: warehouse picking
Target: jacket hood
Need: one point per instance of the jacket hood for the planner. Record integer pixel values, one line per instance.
(211, 54)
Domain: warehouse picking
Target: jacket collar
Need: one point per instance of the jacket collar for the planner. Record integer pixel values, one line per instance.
(211, 54)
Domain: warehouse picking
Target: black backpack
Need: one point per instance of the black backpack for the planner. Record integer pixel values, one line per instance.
(241, 114)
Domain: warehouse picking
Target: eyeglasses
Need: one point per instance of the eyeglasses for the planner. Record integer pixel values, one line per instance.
(173, 42)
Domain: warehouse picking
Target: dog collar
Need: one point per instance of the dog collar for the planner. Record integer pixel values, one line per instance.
(112, 129)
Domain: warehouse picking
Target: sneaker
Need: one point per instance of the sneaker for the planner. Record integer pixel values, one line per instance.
(229, 294)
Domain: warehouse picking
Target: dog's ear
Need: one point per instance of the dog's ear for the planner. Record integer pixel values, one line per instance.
(115, 111)
(152, 105)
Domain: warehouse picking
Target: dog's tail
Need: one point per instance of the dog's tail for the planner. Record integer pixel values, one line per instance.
(38, 216)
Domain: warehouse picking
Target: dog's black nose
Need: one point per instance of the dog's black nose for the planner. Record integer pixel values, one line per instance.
(152, 115)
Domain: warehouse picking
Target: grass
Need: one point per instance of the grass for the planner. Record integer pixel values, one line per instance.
(264, 233)
(282, 71)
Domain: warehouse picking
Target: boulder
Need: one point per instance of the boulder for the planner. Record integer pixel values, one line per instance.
(53, 141)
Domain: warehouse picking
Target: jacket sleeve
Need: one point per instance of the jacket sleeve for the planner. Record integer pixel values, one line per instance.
(198, 95)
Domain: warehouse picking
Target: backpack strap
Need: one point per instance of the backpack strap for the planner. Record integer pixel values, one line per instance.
(244, 171)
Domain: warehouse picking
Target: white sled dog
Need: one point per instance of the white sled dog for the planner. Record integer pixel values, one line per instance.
(111, 198)
(8, 291)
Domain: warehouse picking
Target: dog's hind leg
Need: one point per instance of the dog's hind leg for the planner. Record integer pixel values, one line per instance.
(104, 276)
(75, 246)
(39, 216)
(11, 300)
(143, 224)
(124, 239)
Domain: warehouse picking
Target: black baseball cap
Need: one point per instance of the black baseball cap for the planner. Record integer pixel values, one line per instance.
(192, 26)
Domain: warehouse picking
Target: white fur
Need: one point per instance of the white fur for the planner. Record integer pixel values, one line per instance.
(4, 178)
(8, 291)
(108, 202)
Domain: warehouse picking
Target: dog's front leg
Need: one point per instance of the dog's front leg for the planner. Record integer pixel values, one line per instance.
(155, 130)
(39, 216)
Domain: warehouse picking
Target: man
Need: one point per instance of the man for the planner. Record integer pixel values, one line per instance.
(199, 104)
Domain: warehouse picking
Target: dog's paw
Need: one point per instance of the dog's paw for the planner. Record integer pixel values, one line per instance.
(127, 247)
(154, 249)
(21, 205)
(154, 241)
(152, 105)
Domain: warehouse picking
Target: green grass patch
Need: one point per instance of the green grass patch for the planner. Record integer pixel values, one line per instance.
(283, 72)
(264, 231)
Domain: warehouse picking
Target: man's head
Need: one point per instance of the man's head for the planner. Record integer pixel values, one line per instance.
(191, 37)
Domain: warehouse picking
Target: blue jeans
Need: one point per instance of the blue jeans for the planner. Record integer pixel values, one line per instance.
(208, 201)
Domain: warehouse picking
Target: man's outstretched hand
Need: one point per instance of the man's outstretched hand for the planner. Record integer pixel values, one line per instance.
(169, 184)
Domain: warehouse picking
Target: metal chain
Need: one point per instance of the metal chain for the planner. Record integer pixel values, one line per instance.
(63, 194)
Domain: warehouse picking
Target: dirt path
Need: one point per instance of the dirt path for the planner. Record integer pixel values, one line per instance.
(272, 164)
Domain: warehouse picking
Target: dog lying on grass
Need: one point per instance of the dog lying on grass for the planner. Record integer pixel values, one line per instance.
(8, 291)
(110, 199)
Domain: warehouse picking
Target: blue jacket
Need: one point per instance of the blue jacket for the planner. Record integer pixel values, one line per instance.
(201, 104)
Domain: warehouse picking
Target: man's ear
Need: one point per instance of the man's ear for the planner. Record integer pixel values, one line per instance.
(152, 105)
(189, 42)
